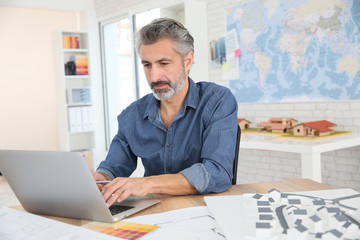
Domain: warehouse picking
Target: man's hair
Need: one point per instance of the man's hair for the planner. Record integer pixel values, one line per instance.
(165, 28)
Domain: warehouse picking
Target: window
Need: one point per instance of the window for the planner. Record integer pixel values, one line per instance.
(119, 85)
(141, 20)
(123, 77)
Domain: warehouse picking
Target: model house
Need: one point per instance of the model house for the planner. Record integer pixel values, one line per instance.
(243, 123)
(333, 234)
(350, 227)
(298, 232)
(277, 125)
(314, 129)
(314, 222)
(338, 220)
(275, 195)
(263, 229)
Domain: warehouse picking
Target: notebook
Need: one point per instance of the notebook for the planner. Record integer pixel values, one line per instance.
(59, 183)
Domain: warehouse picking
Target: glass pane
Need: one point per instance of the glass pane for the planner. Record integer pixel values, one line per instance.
(120, 87)
(140, 20)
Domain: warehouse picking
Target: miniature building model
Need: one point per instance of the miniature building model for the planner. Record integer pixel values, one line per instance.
(243, 123)
(277, 125)
(314, 129)
(297, 216)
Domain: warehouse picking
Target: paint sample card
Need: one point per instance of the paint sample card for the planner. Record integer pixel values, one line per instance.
(123, 230)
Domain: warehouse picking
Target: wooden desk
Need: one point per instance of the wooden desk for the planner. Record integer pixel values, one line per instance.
(172, 203)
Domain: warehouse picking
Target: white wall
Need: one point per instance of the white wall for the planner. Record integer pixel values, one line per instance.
(68, 5)
(340, 168)
(27, 81)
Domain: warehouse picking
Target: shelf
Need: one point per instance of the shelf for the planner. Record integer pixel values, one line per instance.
(82, 132)
(80, 105)
(77, 76)
(75, 50)
(76, 126)
(81, 141)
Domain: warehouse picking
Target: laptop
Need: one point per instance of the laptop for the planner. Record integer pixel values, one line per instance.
(60, 184)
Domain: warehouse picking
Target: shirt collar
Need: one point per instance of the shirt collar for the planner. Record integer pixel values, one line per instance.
(192, 100)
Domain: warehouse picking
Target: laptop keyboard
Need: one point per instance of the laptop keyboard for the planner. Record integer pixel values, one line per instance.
(115, 209)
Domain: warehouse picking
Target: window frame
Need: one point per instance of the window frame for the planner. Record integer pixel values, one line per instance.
(134, 78)
(136, 71)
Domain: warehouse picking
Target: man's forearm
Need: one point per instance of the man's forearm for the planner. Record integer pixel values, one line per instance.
(171, 184)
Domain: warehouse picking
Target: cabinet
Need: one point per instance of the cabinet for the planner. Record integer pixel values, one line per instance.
(74, 92)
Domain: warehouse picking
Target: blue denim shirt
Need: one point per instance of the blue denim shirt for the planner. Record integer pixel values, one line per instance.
(200, 142)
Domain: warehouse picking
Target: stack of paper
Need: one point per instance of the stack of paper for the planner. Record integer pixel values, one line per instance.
(18, 225)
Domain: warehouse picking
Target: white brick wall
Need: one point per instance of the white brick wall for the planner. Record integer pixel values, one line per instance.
(340, 168)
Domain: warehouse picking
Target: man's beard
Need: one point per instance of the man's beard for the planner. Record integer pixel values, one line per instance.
(166, 93)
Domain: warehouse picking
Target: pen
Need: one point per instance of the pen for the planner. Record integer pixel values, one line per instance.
(103, 182)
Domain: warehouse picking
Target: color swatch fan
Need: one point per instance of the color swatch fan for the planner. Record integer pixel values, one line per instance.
(123, 230)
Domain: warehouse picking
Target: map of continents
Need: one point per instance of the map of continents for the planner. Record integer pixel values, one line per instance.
(300, 50)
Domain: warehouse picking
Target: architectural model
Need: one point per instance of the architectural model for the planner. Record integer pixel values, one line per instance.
(289, 127)
(279, 215)
(314, 129)
(277, 125)
(243, 123)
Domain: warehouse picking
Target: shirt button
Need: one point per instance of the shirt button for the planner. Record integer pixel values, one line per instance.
(168, 145)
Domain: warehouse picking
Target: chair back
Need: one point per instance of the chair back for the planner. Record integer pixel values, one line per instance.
(236, 160)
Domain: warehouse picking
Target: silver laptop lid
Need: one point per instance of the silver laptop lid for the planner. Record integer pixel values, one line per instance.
(59, 184)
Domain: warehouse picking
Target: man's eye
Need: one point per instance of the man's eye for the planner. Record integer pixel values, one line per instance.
(164, 63)
(146, 65)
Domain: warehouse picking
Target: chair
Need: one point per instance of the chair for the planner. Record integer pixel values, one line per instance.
(236, 160)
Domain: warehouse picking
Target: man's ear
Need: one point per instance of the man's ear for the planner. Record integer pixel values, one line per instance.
(188, 61)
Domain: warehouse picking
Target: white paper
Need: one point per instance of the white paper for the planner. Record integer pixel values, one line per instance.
(231, 45)
(90, 118)
(19, 225)
(84, 118)
(72, 119)
(79, 121)
(188, 223)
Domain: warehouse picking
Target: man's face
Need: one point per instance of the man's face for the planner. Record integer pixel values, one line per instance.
(164, 68)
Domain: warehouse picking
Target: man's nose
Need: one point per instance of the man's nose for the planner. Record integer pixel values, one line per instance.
(156, 74)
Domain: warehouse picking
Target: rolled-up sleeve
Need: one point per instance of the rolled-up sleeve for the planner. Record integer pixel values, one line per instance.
(214, 174)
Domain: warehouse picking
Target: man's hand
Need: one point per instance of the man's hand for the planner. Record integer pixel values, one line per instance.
(120, 188)
(99, 177)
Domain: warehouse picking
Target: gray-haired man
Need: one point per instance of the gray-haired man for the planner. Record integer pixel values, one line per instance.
(185, 132)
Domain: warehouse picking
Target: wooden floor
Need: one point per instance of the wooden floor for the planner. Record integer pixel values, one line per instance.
(7, 196)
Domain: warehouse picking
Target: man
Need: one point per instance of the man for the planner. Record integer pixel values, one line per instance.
(185, 133)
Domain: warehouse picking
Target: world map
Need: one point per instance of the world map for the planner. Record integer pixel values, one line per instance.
(293, 51)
